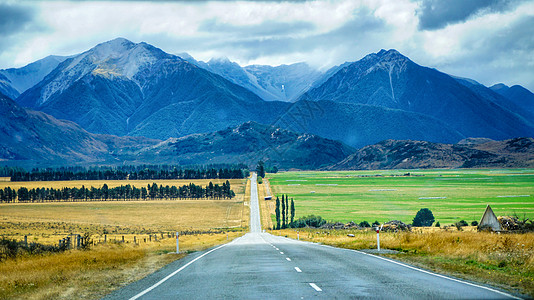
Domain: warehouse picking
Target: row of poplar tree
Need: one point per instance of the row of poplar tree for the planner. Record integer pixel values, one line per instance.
(288, 208)
(147, 172)
(127, 192)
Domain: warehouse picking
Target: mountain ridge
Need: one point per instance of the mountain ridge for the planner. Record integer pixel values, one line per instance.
(408, 154)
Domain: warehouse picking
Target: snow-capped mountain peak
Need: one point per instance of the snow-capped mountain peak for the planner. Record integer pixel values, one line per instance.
(116, 58)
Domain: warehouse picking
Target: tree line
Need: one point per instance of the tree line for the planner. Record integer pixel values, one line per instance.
(287, 212)
(123, 192)
(145, 172)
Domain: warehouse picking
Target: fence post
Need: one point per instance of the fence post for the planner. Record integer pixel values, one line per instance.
(150, 238)
(105, 238)
(78, 238)
(135, 242)
(26, 241)
(123, 238)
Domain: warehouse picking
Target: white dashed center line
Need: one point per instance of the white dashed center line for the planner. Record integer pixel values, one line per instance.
(288, 259)
(281, 252)
(298, 270)
(315, 287)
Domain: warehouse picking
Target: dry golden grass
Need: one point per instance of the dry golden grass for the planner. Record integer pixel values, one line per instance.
(504, 260)
(236, 184)
(91, 274)
(94, 273)
(156, 215)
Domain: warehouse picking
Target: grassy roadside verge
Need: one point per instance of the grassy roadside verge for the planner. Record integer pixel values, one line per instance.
(91, 274)
(505, 261)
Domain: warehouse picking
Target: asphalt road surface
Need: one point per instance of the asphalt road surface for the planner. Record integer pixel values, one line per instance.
(262, 266)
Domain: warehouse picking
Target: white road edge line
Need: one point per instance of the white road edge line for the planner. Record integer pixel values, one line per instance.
(315, 287)
(298, 270)
(424, 271)
(174, 273)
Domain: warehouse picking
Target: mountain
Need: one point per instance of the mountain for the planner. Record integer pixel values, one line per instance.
(489, 94)
(6, 87)
(391, 80)
(407, 154)
(517, 94)
(248, 143)
(284, 82)
(125, 88)
(21, 79)
(33, 138)
(359, 125)
(281, 83)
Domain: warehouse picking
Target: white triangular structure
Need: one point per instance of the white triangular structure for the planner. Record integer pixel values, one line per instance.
(489, 220)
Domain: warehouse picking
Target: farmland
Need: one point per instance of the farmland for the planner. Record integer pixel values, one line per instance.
(146, 227)
(451, 195)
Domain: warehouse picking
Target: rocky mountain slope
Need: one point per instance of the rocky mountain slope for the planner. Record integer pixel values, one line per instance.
(470, 153)
(359, 125)
(21, 79)
(124, 88)
(281, 83)
(35, 138)
(517, 94)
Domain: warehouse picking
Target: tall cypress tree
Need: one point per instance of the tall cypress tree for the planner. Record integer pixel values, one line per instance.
(277, 211)
(283, 213)
(287, 210)
(292, 211)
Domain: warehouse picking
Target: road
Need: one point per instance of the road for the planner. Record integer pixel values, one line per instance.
(263, 266)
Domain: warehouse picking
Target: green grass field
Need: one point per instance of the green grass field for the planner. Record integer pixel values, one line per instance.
(451, 195)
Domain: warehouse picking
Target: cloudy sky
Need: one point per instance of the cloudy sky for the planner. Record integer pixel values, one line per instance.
(490, 41)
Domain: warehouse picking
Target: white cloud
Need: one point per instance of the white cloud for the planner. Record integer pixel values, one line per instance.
(320, 32)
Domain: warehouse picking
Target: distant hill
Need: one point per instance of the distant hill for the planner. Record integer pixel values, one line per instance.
(389, 79)
(471, 153)
(34, 138)
(248, 143)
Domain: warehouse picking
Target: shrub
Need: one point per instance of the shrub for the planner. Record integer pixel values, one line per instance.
(364, 224)
(309, 221)
(437, 224)
(424, 217)
(375, 224)
(474, 223)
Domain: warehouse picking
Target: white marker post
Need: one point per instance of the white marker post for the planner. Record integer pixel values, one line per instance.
(177, 243)
(378, 238)
(298, 236)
